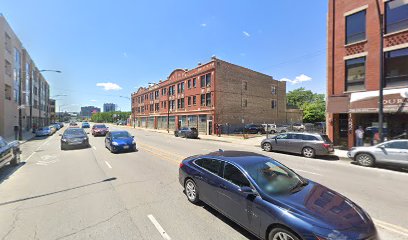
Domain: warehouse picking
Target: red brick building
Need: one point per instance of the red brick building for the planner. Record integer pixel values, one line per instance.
(354, 67)
(217, 92)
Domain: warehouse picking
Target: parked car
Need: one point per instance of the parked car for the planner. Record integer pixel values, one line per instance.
(121, 122)
(43, 131)
(56, 125)
(61, 124)
(86, 125)
(298, 127)
(74, 137)
(99, 130)
(9, 152)
(270, 200)
(186, 132)
(394, 152)
(273, 128)
(254, 129)
(118, 141)
(53, 129)
(307, 144)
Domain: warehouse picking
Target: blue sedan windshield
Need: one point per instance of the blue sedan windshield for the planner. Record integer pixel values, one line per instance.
(272, 177)
(120, 135)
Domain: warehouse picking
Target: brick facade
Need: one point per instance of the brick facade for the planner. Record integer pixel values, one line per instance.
(340, 119)
(233, 96)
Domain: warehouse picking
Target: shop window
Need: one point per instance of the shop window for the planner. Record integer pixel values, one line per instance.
(355, 74)
(396, 68)
(356, 27)
(396, 15)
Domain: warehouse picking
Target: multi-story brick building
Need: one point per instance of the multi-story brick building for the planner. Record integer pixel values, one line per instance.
(217, 92)
(24, 93)
(354, 38)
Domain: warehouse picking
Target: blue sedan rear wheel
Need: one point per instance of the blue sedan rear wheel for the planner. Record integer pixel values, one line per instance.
(282, 234)
(191, 191)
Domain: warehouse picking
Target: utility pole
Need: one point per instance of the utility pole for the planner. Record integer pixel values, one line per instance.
(381, 85)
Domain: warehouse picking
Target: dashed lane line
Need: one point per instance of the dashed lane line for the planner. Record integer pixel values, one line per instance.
(46, 142)
(159, 227)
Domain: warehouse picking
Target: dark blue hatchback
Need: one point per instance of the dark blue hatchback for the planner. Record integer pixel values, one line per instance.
(120, 141)
(270, 200)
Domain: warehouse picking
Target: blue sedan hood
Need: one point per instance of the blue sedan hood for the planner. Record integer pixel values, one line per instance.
(123, 141)
(323, 208)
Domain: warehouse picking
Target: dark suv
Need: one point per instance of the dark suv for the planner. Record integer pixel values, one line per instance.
(307, 144)
(254, 129)
(186, 132)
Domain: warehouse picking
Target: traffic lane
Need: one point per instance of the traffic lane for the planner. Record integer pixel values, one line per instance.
(62, 194)
(360, 184)
(148, 185)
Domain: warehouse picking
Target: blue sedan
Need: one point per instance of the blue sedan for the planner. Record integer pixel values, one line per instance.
(270, 200)
(119, 141)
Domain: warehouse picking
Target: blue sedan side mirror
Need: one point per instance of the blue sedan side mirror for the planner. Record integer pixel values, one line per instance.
(247, 190)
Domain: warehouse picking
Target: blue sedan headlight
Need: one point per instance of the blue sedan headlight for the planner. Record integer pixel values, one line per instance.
(115, 144)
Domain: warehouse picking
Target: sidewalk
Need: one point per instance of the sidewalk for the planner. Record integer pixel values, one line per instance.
(26, 136)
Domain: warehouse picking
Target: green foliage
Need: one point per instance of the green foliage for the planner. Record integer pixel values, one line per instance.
(109, 117)
(312, 104)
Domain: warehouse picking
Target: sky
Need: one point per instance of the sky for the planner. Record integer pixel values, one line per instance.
(106, 49)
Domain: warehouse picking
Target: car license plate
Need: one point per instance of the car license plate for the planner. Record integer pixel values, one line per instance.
(125, 147)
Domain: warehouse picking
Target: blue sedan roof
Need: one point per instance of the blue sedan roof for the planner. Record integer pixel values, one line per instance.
(242, 158)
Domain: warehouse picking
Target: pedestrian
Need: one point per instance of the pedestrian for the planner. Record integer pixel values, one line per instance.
(359, 136)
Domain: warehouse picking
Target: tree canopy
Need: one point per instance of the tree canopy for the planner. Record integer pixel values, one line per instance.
(109, 116)
(312, 104)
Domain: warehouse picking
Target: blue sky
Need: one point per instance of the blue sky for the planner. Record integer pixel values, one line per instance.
(130, 43)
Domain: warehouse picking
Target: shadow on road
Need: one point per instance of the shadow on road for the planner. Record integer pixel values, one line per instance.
(8, 170)
(56, 192)
(387, 167)
(325, 158)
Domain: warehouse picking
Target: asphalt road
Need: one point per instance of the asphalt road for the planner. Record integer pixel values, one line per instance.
(93, 194)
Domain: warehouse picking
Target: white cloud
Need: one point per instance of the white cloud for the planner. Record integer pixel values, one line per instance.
(203, 24)
(109, 86)
(299, 79)
(93, 100)
(246, 34)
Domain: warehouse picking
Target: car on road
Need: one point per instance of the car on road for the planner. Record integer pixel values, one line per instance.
(74, 137)
(73, 124)
(56, 125)
(394, 152)
(307, 144)
(85, 125)
(99, 130)
(270, 200)
(187, 132)
(119, 141)
(9, 152)
(254, 129)
(298, 127)
(43, 131)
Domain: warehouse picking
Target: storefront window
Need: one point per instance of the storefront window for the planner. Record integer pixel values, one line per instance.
(396, 68)
(355, 74)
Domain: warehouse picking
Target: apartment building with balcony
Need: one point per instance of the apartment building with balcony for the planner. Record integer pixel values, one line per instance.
(24, 93)
(213, 93)
(354, 63)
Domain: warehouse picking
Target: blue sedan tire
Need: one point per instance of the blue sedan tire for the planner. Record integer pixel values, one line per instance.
(191, 191)
(281, 234)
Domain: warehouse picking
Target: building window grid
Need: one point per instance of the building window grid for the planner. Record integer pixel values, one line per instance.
(356, 27)
(273, 103)
(355, 74)
(396, 16)
(396, 68)
(273, 90)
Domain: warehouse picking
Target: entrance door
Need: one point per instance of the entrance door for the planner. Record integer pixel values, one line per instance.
(209, 127)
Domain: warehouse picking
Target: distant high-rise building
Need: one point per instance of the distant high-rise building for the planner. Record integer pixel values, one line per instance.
(109, 107)
(86, 112)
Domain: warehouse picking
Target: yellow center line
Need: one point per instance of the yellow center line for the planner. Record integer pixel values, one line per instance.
(391, 227)
(169, 156)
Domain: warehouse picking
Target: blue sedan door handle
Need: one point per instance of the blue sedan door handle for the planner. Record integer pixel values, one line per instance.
(223, 186)
(199, 177)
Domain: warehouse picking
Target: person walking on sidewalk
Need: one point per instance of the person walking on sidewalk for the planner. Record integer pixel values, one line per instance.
(359, 136)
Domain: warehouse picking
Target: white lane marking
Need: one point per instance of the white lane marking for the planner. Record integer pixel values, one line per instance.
(158, 227)
(391, 227)
(109, 166)
(39, 148)
(298, 170)
(94, 148)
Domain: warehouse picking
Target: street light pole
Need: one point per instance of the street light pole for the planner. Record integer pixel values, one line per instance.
(381, 84)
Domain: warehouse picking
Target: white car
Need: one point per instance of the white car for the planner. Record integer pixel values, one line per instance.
(298, 127)
(273, 128)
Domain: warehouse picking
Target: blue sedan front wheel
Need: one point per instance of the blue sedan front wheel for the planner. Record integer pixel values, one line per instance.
(281, 234)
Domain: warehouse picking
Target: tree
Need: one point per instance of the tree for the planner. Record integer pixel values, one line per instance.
(312, 104)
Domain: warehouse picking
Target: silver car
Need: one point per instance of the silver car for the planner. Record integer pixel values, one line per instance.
(307, 144)
(393, 152)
